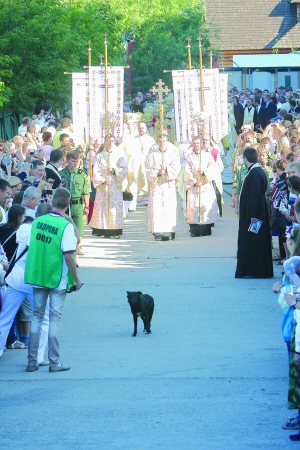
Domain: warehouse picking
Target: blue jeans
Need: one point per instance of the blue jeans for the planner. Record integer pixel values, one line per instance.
(57, 301)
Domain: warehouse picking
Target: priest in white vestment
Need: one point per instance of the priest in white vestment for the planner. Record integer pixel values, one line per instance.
(110, 169)
(143, 143)
(162, 167)
(202, 207)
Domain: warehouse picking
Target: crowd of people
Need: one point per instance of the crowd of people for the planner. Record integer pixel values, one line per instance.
(264, 129)
(47, 197)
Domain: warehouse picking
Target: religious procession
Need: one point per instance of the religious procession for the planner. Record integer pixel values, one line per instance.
(64, 174)
(90, 168)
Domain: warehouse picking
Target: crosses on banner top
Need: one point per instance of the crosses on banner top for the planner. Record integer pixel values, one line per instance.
(101, 59)
(160, 90)
(189, 39)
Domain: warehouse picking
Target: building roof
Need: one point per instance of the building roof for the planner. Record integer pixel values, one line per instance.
(254, 24)
(290, 60)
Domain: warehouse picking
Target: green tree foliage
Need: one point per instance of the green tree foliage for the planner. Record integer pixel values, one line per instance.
(40, 41)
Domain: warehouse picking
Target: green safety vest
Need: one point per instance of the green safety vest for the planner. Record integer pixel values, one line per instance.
(44, 262)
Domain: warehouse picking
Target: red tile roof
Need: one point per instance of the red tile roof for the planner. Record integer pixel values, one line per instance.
(254, 24)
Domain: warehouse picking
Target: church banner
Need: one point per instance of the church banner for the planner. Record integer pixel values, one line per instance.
(97, 101)
(224, 103)
(180, 106)
(80, 106)
(187, 103)
(212, 100)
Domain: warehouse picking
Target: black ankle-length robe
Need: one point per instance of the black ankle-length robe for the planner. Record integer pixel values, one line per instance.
(254, 250)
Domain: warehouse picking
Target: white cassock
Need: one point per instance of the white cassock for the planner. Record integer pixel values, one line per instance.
(162, 207)
(134, 159)
(143, 143)
(209, 212)
(108, 207)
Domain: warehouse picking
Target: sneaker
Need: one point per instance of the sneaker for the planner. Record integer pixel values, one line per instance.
(31, 368)
(292, 424)
(17, 345)
(58, 368)
(44, 363)
(79, 251)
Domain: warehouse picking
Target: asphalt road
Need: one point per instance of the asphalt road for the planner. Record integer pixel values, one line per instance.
(212, 375)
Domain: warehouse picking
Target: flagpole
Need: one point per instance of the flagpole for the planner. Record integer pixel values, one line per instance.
(90, 146)
(189, 52)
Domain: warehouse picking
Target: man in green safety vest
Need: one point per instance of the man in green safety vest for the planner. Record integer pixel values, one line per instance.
(49, 265)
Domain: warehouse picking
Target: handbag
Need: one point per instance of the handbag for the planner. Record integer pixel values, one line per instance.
(278, 221)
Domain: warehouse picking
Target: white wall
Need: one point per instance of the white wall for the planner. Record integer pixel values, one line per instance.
(282, 79)
(261, 80)
(235, 80)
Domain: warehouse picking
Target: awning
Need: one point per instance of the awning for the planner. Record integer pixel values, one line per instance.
(289, 60)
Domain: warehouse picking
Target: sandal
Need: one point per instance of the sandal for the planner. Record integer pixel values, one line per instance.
(277, 258)
(17, 345)
(292, 424)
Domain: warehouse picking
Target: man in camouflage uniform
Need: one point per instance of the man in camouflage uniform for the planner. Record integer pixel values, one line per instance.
(77, 181)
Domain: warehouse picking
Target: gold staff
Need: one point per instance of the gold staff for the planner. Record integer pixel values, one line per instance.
(189, 52)
(106, 123)
(201, 72)
(200, 119)
(160, 90)
(106, 76)
(90, 140)
(210, 59)
(89, 54)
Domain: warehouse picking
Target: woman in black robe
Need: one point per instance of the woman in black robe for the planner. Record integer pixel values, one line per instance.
(254, 259)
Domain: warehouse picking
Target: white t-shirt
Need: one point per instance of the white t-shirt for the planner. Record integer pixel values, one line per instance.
(16, 277)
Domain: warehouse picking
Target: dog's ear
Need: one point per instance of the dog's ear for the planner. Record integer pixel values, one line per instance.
(139, 292)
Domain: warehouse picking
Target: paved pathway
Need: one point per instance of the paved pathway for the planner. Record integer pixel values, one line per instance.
(213, 374)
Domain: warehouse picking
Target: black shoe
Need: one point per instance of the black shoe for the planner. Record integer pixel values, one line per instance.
(295, 437)
(160, 237)
(172, 235)
(94, 233)
(106, 237)
(193, 235)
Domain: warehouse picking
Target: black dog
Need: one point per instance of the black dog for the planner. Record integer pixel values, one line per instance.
(142, 305)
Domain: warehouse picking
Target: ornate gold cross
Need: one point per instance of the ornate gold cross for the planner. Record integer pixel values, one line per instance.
(160, 90)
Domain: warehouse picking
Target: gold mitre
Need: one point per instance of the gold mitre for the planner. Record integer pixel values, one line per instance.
(133, 117)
